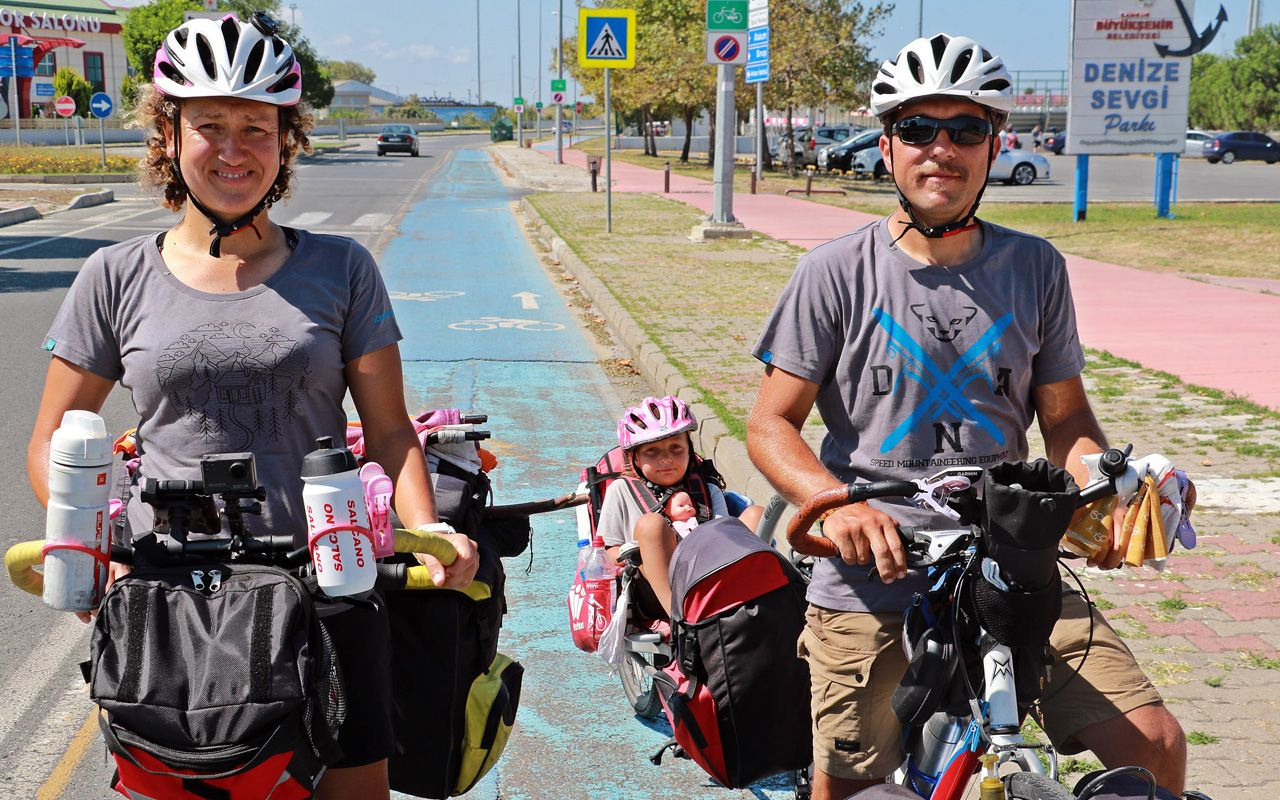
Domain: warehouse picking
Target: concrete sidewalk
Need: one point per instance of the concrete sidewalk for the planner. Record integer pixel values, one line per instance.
(1205, 333)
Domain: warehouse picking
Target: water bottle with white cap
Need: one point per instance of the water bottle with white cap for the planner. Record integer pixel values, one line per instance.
(78, 524)
(338, 520)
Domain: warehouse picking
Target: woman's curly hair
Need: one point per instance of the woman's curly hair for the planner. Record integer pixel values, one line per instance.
(153, 112)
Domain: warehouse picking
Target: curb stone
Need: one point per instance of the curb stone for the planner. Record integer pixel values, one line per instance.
(85, 177)
(13, 216)
(93, 199)
(712, 437)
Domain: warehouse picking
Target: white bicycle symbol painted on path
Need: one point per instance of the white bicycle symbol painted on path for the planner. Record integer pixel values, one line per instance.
(492, 323)
(424, 297)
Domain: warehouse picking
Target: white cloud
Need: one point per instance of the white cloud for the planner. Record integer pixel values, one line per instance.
(342, 40)
(459, 55)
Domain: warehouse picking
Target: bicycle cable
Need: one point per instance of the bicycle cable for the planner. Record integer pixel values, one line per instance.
(1075, 671)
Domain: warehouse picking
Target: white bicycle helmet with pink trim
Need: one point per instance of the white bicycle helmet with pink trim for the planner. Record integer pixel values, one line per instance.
(946, 66)
(229, 58)
(653, 419)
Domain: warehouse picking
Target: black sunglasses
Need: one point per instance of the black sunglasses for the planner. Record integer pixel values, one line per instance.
(921, 130)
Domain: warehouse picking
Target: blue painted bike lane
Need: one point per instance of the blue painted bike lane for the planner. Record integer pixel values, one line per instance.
(486, 331)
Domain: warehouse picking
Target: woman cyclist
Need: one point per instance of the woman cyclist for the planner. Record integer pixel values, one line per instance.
(234, 334)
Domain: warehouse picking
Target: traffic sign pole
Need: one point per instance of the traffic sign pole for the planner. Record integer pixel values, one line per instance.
(722, 171)
(560, 77)
(14, 110)
(608, 156)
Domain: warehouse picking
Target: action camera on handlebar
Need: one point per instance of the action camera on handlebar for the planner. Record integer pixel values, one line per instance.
(229, 472)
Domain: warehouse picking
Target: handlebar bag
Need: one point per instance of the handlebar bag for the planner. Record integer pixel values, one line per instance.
(215, 680)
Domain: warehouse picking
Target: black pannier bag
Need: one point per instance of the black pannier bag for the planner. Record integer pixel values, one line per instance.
(736, 693)
(454, 695)
(215, 680)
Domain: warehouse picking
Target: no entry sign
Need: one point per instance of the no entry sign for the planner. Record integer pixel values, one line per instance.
(65, 106)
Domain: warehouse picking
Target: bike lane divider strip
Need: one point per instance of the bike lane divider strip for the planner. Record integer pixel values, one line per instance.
(551, 414)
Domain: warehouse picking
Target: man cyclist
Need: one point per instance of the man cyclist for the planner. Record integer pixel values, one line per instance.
(929, 339)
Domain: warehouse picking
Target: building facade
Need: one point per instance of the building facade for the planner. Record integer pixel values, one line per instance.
(81, 34)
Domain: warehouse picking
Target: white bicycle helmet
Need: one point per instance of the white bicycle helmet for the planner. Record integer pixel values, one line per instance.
(948, 66)
(653, 419)
(229, 58)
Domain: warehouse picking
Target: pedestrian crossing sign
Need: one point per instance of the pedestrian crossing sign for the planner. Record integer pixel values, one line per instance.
(607, 37)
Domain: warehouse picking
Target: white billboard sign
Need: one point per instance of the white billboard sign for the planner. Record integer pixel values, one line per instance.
(1131, 75)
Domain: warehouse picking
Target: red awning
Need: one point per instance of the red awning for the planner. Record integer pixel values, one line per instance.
(45, 45)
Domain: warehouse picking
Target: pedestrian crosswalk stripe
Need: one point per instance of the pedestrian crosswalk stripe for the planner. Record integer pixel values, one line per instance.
(372, 221)
(308, 219)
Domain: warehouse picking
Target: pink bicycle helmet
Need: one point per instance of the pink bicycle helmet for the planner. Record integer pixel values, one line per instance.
(229, 58)
(653, 419)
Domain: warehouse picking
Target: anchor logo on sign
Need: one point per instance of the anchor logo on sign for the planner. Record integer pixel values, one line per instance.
(1199, 41)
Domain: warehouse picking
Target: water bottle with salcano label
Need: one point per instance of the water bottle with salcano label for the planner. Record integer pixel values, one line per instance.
(337, 521)
(78, 525)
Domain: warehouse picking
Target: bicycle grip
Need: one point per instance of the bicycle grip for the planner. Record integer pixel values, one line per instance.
(20, 560)
(403, 577)
(426, 542)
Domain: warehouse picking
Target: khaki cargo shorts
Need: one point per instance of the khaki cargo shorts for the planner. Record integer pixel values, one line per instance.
(856, 660)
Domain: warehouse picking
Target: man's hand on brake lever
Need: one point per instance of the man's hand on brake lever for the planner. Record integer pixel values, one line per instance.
(862, 534)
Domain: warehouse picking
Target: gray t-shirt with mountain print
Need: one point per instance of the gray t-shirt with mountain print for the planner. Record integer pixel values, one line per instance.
(259, 370)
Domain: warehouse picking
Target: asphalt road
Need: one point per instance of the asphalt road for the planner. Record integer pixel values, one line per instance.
(485, 330)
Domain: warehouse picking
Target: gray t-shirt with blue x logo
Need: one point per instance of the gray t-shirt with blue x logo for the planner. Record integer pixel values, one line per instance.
(920, 367)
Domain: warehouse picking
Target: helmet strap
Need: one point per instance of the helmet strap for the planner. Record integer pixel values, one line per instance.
(963, 224)
(221, 228)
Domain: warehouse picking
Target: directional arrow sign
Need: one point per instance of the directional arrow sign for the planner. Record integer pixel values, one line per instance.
(100, 105)
(527, 299)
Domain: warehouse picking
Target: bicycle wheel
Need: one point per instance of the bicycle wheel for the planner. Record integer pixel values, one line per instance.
(1030, 786)
(639, 688)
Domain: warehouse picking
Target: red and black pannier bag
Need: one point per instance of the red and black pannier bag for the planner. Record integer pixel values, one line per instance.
(736, 693)
(215, 680)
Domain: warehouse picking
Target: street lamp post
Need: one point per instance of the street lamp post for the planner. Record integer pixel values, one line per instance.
(560, 76)
(519, 78)
(479, 94)
(537, 110)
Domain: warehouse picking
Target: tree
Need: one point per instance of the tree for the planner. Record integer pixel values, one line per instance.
(67, 81)
(1241, 90)
(349, 71)
(820, 54)
(146, 26)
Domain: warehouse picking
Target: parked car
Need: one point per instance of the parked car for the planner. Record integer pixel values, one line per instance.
(1054, 141)
(1194, 145)
(397, 139)
(824, 135)
(839, 156)
(800, 140)
(869, 161)
(1021, 167)
(1241, 146)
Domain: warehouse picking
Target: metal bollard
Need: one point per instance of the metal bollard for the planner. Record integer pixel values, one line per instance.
(593, 165)
(808, 184)
(666, 177)
(753, 181)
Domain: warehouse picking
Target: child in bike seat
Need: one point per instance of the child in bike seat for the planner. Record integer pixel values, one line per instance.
(655, 437)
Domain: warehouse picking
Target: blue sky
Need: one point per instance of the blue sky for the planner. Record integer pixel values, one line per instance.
(428, 47)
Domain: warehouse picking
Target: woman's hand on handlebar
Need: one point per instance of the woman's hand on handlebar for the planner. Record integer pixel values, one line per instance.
(114, 573)
(461, 572)
(862, 533)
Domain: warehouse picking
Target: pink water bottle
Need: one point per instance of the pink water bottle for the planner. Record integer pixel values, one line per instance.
(342, 547)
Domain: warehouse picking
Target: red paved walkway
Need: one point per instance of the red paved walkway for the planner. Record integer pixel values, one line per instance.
(1218, 336)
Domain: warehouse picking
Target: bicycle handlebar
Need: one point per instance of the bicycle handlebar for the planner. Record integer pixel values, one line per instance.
(805, 543)
(21, 560)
